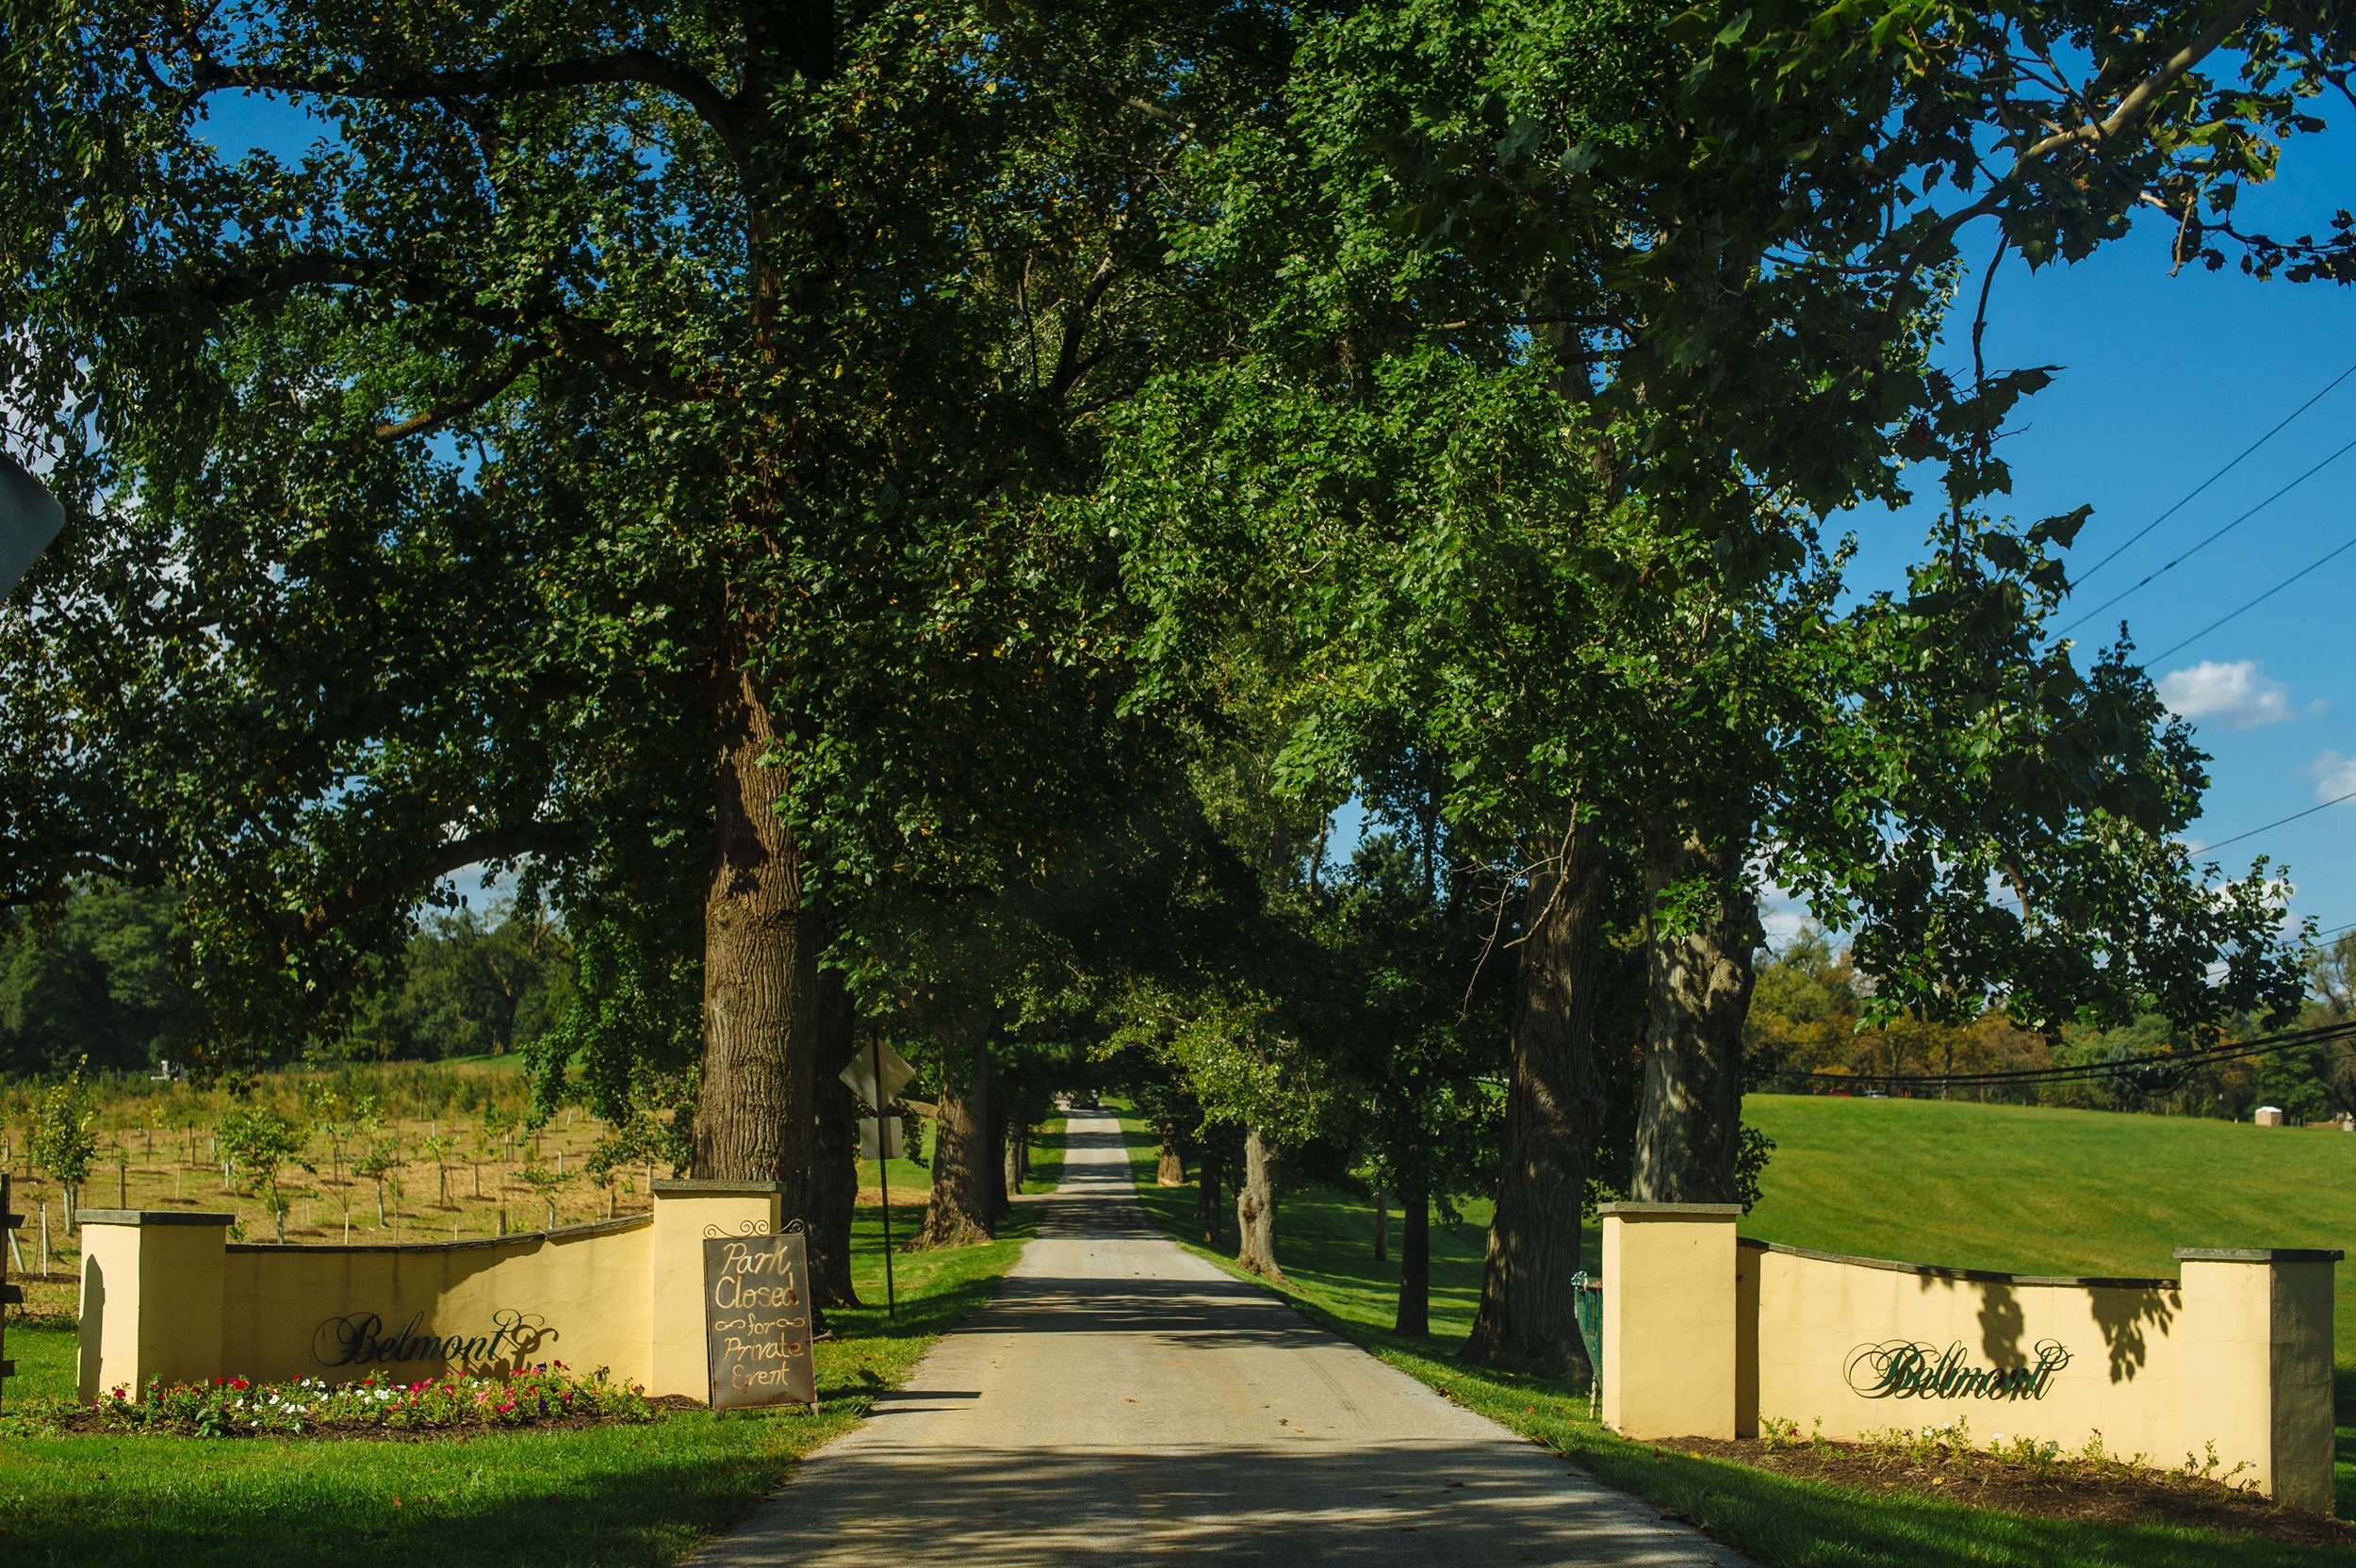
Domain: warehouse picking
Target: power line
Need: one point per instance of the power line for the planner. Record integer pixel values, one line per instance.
(2272, 826)
(2212, 538)
(2253, 604)
(2219, 475)
(2266, 1045)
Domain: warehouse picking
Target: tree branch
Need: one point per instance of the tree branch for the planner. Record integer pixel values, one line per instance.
(1069, 366)
(562, 333)
(447, 858)
(441, 413)
(2139, 98)
(640, 67)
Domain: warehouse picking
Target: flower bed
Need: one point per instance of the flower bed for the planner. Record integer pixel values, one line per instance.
(2020, 1475)
(547, 1395)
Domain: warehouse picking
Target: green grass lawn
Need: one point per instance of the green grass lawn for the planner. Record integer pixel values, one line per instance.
(633, 1495)
(1046, 1159)
(2113, 1195)
(2049, 1191)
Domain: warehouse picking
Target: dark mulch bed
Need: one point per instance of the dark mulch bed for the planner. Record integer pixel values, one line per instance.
(2109, 1495)
(85, 1421)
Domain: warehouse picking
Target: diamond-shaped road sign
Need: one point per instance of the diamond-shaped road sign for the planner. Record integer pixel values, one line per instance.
(30, 519)
(861, 1074)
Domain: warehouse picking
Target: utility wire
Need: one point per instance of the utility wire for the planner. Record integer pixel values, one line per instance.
(2266, 1045)
(2212, 539)
(2253, 604)
(2279, 821)
(2219, 475)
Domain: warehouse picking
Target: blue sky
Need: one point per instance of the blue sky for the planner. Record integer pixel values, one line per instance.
(2162, 379)
(2162, 382)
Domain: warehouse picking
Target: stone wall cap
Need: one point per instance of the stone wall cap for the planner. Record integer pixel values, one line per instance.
(1671, 1211)
(2258, 1254)
(720, 1189)
(150, 1217)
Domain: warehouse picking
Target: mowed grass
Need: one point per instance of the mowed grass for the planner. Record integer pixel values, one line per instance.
(1046, 1173)
(616, 1495)
(2112, 1191)
(2049, 1191)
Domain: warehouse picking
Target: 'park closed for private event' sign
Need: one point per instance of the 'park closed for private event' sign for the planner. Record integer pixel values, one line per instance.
(757, 1321)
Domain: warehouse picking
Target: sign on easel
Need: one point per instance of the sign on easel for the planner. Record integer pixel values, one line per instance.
(757, 1321)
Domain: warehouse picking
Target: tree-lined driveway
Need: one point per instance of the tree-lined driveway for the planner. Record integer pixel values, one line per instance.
(1121, 1399)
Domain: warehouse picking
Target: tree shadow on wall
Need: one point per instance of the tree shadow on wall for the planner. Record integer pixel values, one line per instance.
(2124, 1316)
(2127, 1315)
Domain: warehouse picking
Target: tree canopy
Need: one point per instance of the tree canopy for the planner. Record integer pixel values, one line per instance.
(909, 521)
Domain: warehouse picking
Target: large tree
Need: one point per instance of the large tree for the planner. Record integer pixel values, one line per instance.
(1567, 330)
(623, 441)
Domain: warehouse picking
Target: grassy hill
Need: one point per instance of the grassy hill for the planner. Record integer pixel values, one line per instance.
(1946, 1182)
(2049, 1191)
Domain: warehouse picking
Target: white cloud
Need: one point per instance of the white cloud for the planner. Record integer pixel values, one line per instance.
(2334, 775)
(2236, 692)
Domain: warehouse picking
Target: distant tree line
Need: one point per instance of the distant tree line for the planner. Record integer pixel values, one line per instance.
(96, 983)
(1810, 1026)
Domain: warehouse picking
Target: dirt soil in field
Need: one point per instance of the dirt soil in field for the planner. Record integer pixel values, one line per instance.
(2117, 1494)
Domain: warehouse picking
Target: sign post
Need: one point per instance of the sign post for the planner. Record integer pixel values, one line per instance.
(29, 519)
(877, 1082)
(757, 1321)
(9, 1294)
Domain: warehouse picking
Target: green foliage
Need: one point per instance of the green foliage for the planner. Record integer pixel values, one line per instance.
(62, 1144)
(1414, 1051)
(1809, 1015)
(627, 1042)
(469, 984)
(262, 1143)
(95, 983)
(479, 441)
(99, 982)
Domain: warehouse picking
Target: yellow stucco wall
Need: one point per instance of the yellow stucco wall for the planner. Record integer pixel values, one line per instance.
(1669, 1363)
(164, 1295)
(686, 1213)
(577, 1294)
(1705, 1336)
(1819, 1322)
(151, 1301)
(2303, 1434)
(2226, 1339)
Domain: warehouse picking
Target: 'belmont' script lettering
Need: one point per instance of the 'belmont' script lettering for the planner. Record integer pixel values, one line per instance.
(1908, 1369)
(360, 1340)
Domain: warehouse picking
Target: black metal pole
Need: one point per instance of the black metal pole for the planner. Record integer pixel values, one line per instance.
(883, 1179)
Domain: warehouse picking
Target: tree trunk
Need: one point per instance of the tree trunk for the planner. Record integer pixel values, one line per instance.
(1207, 1204)
(1415, 1263)
(1689, 1127)
(1171, 1170)
(834, 1159)
(760, 971)
(1255, 1207)
(1382, 1225)
(1553, 1114)
(962, 1157)
(1014, 1136)
(996, 1127)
